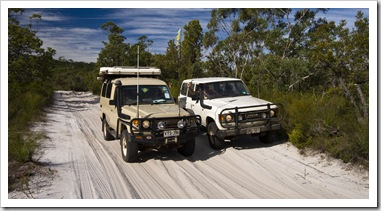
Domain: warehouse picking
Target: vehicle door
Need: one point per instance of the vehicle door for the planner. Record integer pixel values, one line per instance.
(113, 111)
(193, 99)
(182, 99)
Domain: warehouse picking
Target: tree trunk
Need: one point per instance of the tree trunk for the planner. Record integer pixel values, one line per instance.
(364, 105)
(349, 96)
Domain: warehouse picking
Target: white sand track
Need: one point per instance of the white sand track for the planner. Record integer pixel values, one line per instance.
(89, 167)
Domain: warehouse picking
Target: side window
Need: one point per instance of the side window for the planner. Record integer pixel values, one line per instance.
(193, 91)
(103, 92)
(108, 90)
(183, 90)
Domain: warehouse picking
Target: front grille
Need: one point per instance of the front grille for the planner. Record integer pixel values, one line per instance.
(169, 123)
(251, 116)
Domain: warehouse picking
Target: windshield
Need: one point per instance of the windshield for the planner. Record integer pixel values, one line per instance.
(148, 94)
(225, 89)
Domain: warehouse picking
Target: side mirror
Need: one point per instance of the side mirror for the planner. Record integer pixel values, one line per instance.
(194, 97)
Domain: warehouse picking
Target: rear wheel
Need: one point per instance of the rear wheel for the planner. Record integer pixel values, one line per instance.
(128, 148)
(188, 148)
(106, 134)
(214, 141)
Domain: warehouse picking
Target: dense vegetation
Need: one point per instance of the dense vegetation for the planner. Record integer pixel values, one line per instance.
(317, 69)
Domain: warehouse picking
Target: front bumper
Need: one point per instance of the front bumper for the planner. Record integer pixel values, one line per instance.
(153, 136)
(151, 139)
(251, 122)
(248, 131)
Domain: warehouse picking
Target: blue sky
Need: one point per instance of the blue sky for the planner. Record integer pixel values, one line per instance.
(75, 33)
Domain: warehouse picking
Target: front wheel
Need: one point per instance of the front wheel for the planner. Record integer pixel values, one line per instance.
(214, 141)
(267, 138)
(128, 148)
(188, 148)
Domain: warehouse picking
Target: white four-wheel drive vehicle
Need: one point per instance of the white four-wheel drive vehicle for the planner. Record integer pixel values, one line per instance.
(228, 110)
(142, 113)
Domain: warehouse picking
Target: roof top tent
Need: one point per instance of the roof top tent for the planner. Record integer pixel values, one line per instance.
(124, 71)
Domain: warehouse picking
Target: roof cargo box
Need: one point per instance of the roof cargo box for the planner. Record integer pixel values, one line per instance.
(129, 71)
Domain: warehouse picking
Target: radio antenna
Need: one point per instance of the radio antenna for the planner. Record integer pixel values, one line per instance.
(137, 87)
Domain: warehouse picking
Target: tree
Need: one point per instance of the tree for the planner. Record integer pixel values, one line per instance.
(191, 47)
(169, 62)
(339, 58)
(27, 59)
(259, 45)
(114, 52)
(145, 57)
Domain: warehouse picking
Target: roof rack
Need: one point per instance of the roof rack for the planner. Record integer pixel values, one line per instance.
(127, 71)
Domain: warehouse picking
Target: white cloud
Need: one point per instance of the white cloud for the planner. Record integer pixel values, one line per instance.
(337, 15)
(78, 44)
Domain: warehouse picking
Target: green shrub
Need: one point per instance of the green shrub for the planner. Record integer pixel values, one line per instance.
(25, 102)
(22, 146)
(298, 136)
(324, 122)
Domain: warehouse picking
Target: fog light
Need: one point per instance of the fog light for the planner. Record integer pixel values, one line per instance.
(181, 124)
(161, 125)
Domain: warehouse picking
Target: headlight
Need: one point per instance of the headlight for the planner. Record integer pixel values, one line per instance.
(145, 124)
(228, 118)
(224, 118)
(181, 124)
(161, 125)
(272, 113)
(264, 115)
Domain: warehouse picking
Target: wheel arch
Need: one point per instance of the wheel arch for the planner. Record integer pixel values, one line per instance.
(209, 120)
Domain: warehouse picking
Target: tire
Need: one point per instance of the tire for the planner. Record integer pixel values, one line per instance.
(188, 148)
(106, 134)
(129, 149)
(267, 138)
(214, 141)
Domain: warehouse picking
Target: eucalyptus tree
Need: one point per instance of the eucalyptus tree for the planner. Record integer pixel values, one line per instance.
(359, 54)
(339, 59)
(228, 42)
(259, 45)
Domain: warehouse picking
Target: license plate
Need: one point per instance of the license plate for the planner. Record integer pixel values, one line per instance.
(169, 133)
(253, 130)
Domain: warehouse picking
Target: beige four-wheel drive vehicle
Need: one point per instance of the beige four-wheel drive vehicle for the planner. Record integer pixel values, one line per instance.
(138, 109)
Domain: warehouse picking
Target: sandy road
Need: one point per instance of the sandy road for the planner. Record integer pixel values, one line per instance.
(91, 168)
